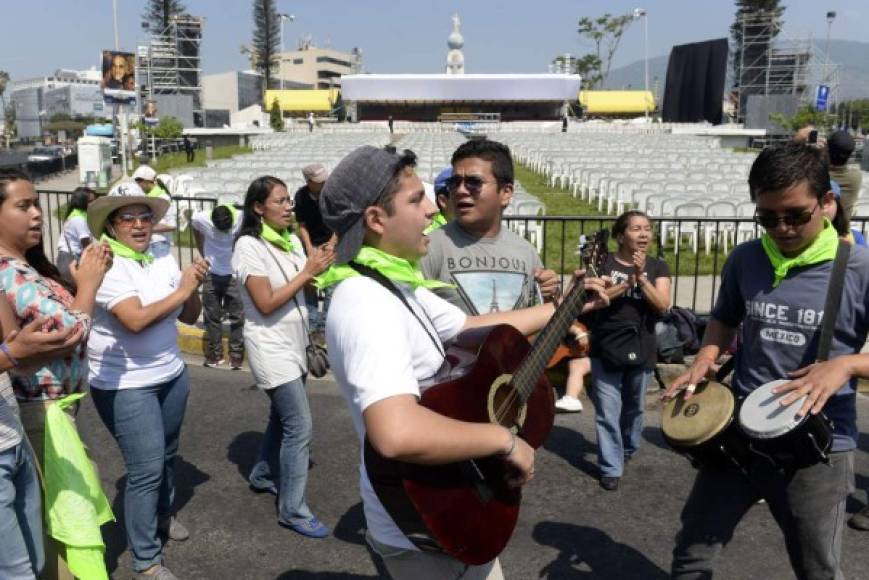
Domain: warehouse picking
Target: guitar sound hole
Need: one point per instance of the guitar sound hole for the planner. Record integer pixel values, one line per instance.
(507, 408)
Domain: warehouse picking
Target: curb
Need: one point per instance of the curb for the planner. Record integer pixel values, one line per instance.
(191, 340)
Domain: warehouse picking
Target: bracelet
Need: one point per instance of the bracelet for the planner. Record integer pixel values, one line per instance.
(5, 349)
(512, 444)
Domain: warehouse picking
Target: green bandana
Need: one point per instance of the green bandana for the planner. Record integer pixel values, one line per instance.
(823, 249)
(77, 213)
(438, 221)
(125, 251)
(280, 240)
(156, 191)
(396, 269)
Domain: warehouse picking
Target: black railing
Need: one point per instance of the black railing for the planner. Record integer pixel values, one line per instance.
(704, 242)
(695, 268)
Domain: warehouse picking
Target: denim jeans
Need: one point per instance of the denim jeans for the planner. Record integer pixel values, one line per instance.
(317, 319)
(807, 504)
(285, 451)
(619, 402)
(22, 555)
(220, 295)
(136, 419)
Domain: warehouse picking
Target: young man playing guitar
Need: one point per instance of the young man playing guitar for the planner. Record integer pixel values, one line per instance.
(383, 345)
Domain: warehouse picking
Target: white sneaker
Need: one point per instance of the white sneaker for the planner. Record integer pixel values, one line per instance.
(568, 404)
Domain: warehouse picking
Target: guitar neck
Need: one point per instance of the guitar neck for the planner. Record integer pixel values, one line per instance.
(529, 371)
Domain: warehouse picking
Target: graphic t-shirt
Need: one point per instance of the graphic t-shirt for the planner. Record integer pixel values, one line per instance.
(781, 325)
(631, 308)
(308, 213)
(490, 274)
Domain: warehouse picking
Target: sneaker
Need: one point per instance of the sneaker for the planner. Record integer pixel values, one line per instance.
(568, 404)
(172, 529)
(214, 361)
(860, 520)
(158, 572)
(235, 362)
(312, 528)
(609, 483)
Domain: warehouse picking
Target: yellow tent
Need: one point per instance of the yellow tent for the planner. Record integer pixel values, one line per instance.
(303, 100)
(616, 102)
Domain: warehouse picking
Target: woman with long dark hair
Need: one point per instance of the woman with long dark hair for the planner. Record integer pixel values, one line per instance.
(75, 235)
(34, 290)
(623, 352)
(271, 268)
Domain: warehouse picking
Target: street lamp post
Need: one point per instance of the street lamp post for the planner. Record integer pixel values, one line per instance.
(120, 110)
(642, 13)
(283, 17)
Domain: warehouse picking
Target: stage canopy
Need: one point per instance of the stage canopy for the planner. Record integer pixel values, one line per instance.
(302, 100)
(616, 102)
(475, 88)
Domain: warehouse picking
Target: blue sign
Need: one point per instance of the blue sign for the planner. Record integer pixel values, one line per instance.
(821, 100)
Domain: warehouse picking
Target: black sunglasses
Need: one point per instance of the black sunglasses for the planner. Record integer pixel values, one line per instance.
(473, 183)
(770, 221)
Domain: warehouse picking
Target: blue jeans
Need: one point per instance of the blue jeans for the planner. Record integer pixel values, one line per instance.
(136, 418)
(619, 401)
(282, 464)
(317, 319)
(22, 554)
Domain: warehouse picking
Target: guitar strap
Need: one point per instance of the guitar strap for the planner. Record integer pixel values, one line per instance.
(389, 285)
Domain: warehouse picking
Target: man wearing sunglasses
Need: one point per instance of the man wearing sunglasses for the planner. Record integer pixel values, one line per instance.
(776, 288)
(490, 267)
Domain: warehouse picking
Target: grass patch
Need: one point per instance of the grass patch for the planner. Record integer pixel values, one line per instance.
(562, 237)
(179, 159)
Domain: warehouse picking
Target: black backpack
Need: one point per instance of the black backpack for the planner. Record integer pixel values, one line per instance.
(679, 333)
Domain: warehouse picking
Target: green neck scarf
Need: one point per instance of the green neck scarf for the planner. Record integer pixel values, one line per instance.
(822, 249)
(396, 269)
(125, 251)
(156, 191)
(438, 221)
(280, 240)
(77, 213)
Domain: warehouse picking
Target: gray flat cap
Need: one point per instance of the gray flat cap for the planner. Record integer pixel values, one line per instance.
(355, 184)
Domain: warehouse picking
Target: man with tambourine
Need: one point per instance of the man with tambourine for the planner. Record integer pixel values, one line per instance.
(776, 287)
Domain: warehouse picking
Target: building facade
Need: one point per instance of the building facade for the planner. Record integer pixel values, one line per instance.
(69, 92)
(319, 68)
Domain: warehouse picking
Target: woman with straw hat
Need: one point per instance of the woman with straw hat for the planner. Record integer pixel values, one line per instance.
(139, 382)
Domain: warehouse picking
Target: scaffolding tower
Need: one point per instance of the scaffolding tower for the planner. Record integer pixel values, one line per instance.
(170, 62)
(771, 66)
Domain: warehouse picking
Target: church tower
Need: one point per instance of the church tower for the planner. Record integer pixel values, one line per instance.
(455, 57)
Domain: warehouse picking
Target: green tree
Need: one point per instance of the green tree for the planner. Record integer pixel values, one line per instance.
(605, 32)
(276, 118)
(266, 39)
(807, 115)
(158, 12)
(169, 128)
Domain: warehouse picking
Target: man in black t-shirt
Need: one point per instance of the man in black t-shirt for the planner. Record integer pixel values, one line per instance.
(313, 233)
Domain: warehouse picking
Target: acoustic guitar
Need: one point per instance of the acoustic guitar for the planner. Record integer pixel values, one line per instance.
(490, 375)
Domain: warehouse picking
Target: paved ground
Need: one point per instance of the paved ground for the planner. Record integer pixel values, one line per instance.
(569, 527)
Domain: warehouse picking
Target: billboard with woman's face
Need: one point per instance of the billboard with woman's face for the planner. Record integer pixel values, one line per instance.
(119, 77)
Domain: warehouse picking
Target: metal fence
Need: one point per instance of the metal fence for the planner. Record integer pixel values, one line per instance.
(695, 262)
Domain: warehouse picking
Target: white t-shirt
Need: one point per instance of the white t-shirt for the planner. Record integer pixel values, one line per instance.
(75, 229)
(377, 350)
(275, 344)
(170, 219)
(118, 358)
(216, 244)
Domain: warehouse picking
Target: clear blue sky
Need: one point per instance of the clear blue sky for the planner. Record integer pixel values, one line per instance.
(40, 36)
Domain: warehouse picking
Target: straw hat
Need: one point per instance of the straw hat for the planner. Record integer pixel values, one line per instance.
(100, 210)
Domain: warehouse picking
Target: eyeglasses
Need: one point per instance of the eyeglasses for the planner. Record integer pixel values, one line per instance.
(129, 219)
(771, 221)
(473, 183)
